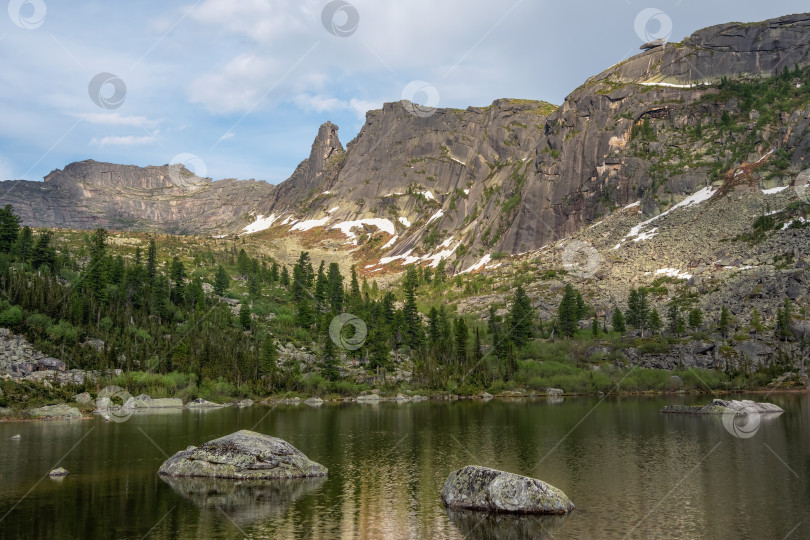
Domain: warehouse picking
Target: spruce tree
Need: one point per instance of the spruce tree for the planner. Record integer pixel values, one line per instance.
(462, 334)
(654, 321)
(305, 317)
(268, 362)
(329, 362)
(695, 318)
(221, 281)
(42, 253)
(568, 312)
(9, 228)
(244, 316)
(25, 244)
(521, 318)
(151, 262)
(725, 321)
(335, 286)
(618, 321)
(673, 316)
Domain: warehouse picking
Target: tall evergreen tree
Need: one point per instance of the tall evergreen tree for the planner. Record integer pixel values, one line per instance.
(462, 335)
(335, 287)
(268, 362)
(244, 316)
(151, 262)
(24, 244)
(695, 318)
(725, 321)
(413, 326)
(568, 312)
(9, 228)
(521, 318)
(617, 321)
(221, 281)
(42, 253)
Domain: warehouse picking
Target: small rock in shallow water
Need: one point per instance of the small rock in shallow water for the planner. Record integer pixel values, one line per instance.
(490, 490)
(16, 437)
(59, 471)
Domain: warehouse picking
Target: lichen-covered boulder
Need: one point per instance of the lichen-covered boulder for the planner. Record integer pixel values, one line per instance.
(244, 455)
(55, 412)
(721, 406)
(490, 490)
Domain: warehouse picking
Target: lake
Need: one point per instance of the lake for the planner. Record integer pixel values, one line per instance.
(631, 471)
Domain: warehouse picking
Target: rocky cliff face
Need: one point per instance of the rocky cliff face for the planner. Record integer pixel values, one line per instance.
(89, 194)
(518, 175)
(468, 185)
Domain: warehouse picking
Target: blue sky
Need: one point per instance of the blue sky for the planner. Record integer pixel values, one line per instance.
(244, 84)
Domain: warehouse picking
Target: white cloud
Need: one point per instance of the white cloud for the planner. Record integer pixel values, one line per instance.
(115, 119)
(128, 140)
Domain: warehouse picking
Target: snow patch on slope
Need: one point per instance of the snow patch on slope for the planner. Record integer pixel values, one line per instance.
(261, 223)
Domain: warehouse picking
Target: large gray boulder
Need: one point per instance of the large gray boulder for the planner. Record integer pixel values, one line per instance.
(721, 406)
(490, 490)
(144, 401)
(244, 455)
(55, 412)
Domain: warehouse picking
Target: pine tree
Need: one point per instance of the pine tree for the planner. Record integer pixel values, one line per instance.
(725, 321)
(268, 362)
(24, 244)
(285, 277)
(695, 318)
(654, 321)
(243, 263)
(413, 326)
(9, 228)
(329, 363)
(354, 292)
(305, 317)
(595, 327)
(151, 262)
(673, 316)
(274, 275)
(638, 309)
(756, 323)
(299, 277)
(618, 321)
(42, 253)
(462, 334)
(321, 288)
(568, 312)
(95, 273)
(521, 318)
(178, 275)
(244, 316)
(335, 282)
(221, 281)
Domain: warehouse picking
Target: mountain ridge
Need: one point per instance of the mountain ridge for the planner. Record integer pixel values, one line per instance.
(421, 186)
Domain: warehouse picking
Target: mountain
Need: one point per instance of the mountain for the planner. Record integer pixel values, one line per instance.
(425, 185)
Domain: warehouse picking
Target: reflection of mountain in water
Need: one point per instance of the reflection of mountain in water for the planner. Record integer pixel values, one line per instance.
(241, 500)
(473, 525)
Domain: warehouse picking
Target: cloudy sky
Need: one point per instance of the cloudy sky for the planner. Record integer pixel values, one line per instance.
(238, 88)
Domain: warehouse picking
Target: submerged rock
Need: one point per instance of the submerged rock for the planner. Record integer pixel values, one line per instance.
(490, 490)
(244, 501)
(16, 437)
(314, 401)
(245, 455)
(59, 471)
(244, 403)
(721, 406)
(55, 412)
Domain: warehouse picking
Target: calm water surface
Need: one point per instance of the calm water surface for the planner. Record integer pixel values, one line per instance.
(632, 472)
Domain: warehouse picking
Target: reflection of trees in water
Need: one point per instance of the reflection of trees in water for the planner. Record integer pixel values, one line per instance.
(244, 501)
(473, 525)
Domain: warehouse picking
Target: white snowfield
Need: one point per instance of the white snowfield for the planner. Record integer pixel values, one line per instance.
(381, 223)
(261, 223)
(309, 224)
(636, 233)
(434, 258)
(673, 273)
(435, 216)
(404, 221)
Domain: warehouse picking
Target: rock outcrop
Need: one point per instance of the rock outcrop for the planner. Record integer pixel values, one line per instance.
(54, 412)
(490, 490)
(721, 406)
(244, 455)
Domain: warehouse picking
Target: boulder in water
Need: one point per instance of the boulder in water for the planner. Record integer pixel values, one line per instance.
(244, 455)
(721, 406)
(57, 472)
(490, 490)
(55, 412)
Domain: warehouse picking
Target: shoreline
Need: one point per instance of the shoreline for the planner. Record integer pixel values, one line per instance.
(442, 397)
